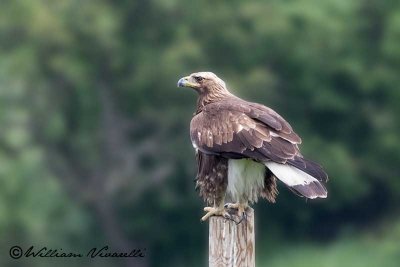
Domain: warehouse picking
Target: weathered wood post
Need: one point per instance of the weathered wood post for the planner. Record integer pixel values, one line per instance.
(231, 244)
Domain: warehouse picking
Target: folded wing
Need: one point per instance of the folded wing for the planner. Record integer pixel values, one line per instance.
(235, 129)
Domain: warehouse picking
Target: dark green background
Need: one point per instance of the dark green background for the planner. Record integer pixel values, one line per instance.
(94, 143)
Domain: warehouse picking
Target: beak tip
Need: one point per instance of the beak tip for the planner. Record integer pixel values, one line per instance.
(180, 83)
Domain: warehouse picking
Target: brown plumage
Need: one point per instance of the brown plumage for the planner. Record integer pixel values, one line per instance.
(226, 130)
(211, 177)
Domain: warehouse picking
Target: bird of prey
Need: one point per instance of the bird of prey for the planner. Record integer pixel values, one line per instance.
(242, 148)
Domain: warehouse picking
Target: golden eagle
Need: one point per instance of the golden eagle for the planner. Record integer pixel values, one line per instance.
(242, 147)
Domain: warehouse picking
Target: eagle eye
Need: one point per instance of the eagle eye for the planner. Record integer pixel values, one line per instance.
(198, 78)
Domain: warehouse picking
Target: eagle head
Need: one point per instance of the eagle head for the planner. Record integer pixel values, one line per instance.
(203, 82)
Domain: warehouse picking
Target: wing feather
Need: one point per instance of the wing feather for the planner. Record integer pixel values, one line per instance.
(236, 129)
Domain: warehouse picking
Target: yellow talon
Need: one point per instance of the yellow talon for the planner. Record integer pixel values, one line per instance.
(215, 211)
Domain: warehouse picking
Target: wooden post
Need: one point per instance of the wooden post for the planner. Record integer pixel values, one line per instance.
(231, 244)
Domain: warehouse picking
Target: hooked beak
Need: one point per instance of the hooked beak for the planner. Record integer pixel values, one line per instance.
(187, 82)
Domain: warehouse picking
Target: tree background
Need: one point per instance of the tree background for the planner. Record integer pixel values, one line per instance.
(94, 143)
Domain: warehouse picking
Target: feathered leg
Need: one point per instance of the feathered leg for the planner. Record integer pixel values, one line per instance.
(211, 183)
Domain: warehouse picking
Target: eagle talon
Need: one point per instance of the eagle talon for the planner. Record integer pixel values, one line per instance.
(227, 216)
(215, 211)
(242, 218)
(240, 207)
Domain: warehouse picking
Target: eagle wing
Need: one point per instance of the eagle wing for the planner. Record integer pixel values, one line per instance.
(235, 129)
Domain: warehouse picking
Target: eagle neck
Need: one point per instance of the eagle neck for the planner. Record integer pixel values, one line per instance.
(203, 101)
(216, 95)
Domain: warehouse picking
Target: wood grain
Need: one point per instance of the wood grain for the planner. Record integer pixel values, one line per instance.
(232, 245)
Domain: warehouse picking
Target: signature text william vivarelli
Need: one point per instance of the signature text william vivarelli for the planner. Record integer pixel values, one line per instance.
(17, 252)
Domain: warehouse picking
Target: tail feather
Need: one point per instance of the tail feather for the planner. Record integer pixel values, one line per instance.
(297, 180)
(310, 167)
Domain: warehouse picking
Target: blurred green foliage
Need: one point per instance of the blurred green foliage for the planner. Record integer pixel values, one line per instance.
(94, 146)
